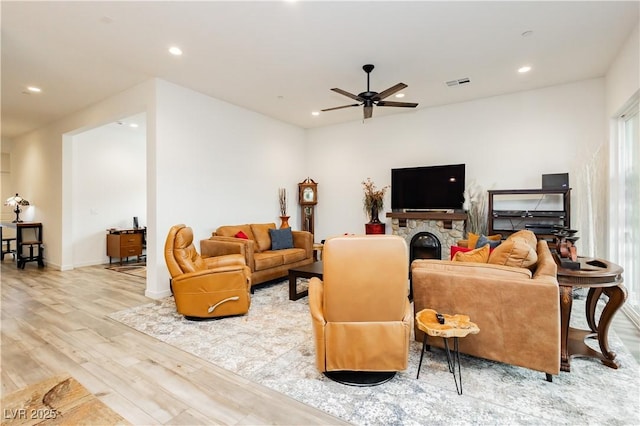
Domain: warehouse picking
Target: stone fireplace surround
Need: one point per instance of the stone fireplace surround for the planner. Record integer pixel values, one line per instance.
(447, 227)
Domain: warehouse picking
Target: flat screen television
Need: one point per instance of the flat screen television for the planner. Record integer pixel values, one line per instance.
(428, 188)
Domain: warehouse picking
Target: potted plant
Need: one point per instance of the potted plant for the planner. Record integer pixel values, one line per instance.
(373, 200)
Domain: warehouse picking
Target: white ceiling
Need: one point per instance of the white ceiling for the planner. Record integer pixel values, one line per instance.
(280, 58)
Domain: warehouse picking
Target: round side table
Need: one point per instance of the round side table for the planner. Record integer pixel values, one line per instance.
(453, 326)
(599, 276)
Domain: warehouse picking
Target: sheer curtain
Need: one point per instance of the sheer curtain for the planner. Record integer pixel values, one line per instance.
(625, 205)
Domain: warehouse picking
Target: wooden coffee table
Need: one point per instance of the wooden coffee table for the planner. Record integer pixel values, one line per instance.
(307, 271)
(599, 276)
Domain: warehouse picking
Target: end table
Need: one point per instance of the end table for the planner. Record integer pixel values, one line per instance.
(599, 276)
(453, 326)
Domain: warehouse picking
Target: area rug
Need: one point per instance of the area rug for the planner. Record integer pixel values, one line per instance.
(273, 345)
(57, 400)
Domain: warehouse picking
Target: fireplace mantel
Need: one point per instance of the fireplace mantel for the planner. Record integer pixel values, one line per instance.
(448, 228)
(447, 218)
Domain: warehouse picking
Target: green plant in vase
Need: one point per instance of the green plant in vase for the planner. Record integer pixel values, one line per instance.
(373, 200)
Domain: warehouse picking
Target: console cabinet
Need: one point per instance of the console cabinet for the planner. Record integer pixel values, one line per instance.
(532, 211)
(124, 243)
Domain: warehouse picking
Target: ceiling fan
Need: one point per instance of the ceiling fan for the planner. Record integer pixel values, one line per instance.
(368, 99)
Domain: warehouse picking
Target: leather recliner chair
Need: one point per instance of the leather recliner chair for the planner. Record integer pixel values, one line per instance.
(360, 310)
(205, 287)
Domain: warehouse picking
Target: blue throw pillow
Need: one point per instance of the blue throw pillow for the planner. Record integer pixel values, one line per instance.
(483, 241)
(281, 238)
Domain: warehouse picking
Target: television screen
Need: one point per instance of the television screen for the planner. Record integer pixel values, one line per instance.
(428, 188)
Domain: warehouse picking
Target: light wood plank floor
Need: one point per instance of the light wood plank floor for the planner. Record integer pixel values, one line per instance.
(55, 322)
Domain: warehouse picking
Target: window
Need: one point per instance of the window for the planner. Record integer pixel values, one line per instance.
(625, 202)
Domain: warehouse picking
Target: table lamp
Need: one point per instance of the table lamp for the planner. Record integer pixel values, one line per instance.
(16, 201)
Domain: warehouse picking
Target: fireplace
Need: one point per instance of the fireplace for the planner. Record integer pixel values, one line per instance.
(424, 245)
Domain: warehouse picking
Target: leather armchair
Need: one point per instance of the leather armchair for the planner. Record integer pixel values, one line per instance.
(360, 310)
(205, 288)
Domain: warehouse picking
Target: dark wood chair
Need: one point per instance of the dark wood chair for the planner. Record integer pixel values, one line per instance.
(6, 245)
(29, 240)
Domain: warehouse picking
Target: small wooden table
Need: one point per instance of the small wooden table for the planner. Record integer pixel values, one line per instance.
(599, 276)
(453, 326)
(307, 271)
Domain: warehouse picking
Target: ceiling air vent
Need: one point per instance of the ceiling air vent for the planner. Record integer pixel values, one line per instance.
(458, 82)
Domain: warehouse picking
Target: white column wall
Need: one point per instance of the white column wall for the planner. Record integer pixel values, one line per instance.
(217, 164)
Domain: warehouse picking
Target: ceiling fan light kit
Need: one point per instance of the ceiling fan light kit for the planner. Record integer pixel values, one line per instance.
(369, 99)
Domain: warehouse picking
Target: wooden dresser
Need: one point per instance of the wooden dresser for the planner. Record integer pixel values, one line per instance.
(124, 243)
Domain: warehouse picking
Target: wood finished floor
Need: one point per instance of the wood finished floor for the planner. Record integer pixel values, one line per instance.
(55, 322)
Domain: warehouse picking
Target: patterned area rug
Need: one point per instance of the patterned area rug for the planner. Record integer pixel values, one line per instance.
(273, 345)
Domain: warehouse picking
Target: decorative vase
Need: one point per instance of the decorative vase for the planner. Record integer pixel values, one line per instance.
(374, 215)
(285, 222)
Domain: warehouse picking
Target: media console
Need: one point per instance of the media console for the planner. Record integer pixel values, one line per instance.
(541, 221)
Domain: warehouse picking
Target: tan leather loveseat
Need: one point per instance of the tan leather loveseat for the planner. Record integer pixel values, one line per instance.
(265, 264)
(517, 308)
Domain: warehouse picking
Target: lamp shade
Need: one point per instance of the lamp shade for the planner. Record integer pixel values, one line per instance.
(16, 201)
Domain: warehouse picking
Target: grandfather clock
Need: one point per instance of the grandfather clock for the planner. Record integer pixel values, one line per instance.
(308, 198)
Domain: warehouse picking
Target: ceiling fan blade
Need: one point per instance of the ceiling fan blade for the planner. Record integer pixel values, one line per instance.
(368, 111)
(390, 91)
(397, 104)
(347, 94)
(340, 107)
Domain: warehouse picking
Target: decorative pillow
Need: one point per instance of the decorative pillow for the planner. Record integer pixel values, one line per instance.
(514, 252)
(528, 236)
(242, 235)
(473, 239)
(261, 233)
(455, 249)
(281, 238)
(479, 255)
(484, 240)
(232, 230)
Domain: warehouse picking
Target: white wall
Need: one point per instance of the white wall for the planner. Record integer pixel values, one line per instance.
(506, 142)
(216, 164)
(109, 187)
(623, 77)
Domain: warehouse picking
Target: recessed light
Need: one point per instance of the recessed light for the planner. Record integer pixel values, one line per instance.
(315, 113)
(134, 125)
(34, 89)
(524, 69)
(176, 51)
(400, 95)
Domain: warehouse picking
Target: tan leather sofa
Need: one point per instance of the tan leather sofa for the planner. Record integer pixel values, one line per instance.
(205, 288)
(265, 264)
(516, 308)
(360, 311)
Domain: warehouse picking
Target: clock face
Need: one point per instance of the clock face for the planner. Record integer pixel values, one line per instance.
(308, 194)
